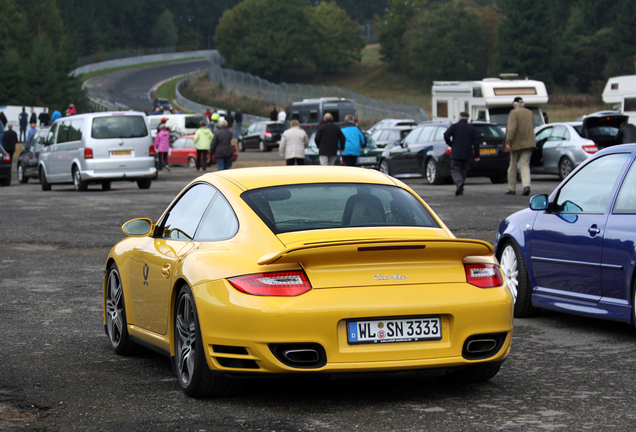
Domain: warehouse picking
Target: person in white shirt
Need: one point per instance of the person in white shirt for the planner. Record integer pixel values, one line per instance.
(293, 144)
(282, 115)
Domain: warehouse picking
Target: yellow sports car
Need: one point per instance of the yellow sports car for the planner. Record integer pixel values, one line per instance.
(305, 269)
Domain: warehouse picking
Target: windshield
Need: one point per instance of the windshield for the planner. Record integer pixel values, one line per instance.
(277, 127)
(500, 115)
(119, 127)
(336, 205)
(490, 131)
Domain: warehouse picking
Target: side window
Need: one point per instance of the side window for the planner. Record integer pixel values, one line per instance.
(179, 143)
(558, 134)
(50, 137)
(75, 130)
(413, 136)
(425, 136)
(313, 116)
(544, 134)
(626, 202)
(250, 130)
(481, 115)
(376, 135)
(589, 190)
(183, 219)
(442, 109)
(439, 133)
(63, 134)
(219, 222)
(189, 143)
(384, 135)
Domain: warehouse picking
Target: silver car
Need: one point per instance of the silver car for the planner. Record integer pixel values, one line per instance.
(98, 148)
(560, 149)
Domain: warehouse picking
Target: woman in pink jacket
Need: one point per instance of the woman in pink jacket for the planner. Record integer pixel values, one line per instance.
(162, 146)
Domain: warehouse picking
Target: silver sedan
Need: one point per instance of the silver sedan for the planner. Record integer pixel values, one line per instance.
(560, 149)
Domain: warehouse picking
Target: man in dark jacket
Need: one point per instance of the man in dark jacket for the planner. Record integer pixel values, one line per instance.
(24, 121)
(238, 117)
(273, 114)
(9, 140)
(329, 139)
(463, 139)
(44, 117)
(626, 133)
(221, 146)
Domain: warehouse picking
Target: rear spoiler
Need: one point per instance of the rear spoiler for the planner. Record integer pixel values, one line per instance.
(378, 244)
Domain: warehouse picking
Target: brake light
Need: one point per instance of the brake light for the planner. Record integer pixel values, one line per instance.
(6, 157)
(448, 151)
(152, 151)
(88, 153)
(356, 121)
(591, 149)
(268, 134)
(283, 284)
(483, 275)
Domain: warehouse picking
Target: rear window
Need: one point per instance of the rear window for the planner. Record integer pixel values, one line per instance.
(277, 127)
(119, 127)
(406, 123)
(336, 205)
(193, 122)
(490, 131)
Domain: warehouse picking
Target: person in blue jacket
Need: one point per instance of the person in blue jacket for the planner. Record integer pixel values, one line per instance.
(355, 140)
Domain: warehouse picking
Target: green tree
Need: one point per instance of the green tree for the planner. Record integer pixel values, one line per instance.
(337, 38)
(165, 32)
(526, 39)
(623, 54)
(360, 11)
(265, 37)
(443, 50)
(392, 27)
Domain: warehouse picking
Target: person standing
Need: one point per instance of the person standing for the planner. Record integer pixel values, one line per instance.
(33, 118)
(229, 119)
(202, 141)
(464, 142)
(32, 131)
(238, 118)
(221, 147)
(355, 141)
(44, 118)
(329, 140)
(282, 115)
(273, 114)
(162, 147)
(9, 140)
(208, 113)
(56, 115)
(626, 133)
(23, 119)
(519, 142)
(293, 144)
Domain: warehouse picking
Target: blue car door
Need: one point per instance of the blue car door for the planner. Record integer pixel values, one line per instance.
(566, 241)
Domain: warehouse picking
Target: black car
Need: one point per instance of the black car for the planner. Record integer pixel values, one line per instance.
(162, 103)
(5, 167)
(389, 136)
(425, 153)
(30, 156)
(262, 135)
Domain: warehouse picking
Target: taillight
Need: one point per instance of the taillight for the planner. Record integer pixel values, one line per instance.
(284, 284)
(6, 157)
(268, 134)
(152, 151)
(591, 149)
(356, 121)
(88, 153)
(448, 151)
(483, 275)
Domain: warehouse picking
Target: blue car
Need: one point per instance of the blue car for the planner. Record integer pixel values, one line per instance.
(574, 251)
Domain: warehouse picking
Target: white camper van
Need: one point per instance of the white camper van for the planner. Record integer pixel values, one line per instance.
(620, 91)
(487, 100)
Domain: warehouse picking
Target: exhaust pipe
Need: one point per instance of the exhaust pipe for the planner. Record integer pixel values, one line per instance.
(305, 355)
(480, 346)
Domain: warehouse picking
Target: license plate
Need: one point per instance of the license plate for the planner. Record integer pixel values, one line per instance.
(413, 329)
(121, 152)
(487, 151)
(366, 159)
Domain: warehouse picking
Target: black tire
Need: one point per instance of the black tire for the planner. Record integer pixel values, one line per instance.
(116, 322)
(565, 167)
(78, 183)
(431, 172)
(515, 271)
(106, 185)
(261, 146)
(21, 177)
(499, 178)
(241, 148)
(144, 184)
(194, 376)
(46, 186)
(474, 374)
(385, 167)
(192, 162)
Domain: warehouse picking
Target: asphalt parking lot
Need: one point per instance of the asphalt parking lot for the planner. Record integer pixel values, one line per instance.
(58, 372)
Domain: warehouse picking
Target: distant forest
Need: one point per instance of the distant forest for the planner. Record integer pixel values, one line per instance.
(574, 45)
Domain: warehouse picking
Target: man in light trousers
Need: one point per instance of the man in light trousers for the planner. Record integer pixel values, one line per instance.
(520, 143)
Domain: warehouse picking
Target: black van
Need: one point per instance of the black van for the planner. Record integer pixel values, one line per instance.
(310, 112)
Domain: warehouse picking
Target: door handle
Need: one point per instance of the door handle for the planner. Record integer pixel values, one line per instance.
(593, 230)
(165, 271)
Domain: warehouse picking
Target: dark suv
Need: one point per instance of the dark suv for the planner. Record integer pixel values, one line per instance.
(262, 135)
(424, 152)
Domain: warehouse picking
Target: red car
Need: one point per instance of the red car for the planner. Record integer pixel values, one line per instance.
(184, 153)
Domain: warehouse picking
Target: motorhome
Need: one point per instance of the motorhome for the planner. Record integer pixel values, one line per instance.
(620, 92)
(488, 100)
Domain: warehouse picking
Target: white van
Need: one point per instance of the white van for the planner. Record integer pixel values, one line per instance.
(98, 148)
(488, 100)
(620, 91)
(178, 124)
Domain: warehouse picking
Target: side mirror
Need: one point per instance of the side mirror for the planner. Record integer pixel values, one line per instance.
(539, 202)
(138, 227)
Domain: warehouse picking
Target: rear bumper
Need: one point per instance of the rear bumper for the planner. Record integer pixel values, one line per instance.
(91, 175)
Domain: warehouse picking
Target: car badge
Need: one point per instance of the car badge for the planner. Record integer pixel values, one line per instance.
(395, 276)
